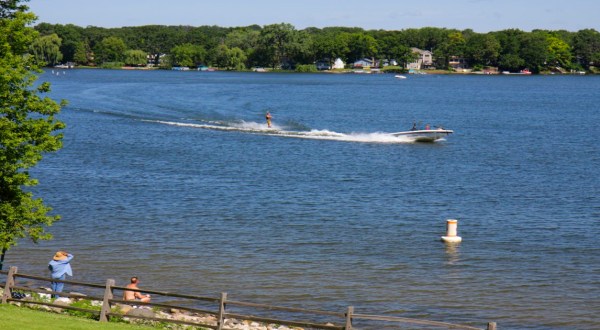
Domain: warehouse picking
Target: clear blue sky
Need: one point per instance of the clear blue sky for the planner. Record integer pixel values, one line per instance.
(479, 15)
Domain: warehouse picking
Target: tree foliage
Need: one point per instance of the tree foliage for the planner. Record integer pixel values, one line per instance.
(558, 52)
(361, 45)
(28, 129)
(283, 46)
(230, 58)
(482, 49)
(586, 44)
(278, 42)
(83, 53)
(188, 55)
(135, 57)
(534, 50)
(110, 49)
(46, 49)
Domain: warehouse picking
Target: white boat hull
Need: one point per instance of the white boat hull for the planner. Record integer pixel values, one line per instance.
(425, 135)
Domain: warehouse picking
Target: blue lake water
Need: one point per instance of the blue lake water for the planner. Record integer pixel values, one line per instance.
(173, 177)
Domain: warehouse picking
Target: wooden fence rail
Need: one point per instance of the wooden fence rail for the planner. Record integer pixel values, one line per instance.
(219, 308)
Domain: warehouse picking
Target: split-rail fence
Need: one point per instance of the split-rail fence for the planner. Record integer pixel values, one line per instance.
(221, 308)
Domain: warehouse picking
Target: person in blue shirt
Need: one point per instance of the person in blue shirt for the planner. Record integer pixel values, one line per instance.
(60, 266)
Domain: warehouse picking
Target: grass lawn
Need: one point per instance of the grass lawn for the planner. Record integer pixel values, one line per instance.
(13, 317)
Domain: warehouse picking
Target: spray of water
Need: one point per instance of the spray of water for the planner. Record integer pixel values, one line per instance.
(275, 130)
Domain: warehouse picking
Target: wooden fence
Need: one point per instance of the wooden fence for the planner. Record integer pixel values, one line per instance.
(221, 308)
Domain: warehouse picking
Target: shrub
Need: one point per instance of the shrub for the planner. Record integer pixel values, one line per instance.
(306, 68)
(85, 304)
(393, 69)
(111, 65)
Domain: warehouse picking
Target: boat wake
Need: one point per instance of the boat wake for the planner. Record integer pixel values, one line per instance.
(260, 128)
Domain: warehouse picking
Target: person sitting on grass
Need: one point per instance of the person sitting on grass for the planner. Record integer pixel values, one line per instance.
(135, 295)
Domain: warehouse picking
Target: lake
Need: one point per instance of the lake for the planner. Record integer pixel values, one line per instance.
(173, 177)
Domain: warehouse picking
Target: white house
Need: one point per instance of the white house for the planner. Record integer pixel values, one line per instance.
(325, 64)
(338, 64)
(425, 59)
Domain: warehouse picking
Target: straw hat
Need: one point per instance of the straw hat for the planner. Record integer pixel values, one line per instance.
(60, 255)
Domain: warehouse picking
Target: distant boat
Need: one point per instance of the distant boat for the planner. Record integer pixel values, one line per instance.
(524, 71)
(413, 71)
(425, 135)
(399, 76)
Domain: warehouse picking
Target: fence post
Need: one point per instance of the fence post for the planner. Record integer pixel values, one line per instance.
(349, 313)
(108, 294)
(491, 326)
(221, 315)
(10, 282)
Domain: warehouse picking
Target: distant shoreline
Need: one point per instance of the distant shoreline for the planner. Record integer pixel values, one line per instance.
(337, 71)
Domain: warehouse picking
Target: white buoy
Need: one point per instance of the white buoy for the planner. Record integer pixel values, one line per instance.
(451, 230)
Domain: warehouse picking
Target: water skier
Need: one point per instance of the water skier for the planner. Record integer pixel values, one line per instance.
(268, 118)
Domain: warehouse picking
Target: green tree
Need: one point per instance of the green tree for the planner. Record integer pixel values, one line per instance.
(70, 35)
(82, 53)
(230, 58)
(245, 39)
(456, 44)
(509, 41)
(482, 49)
(559, 52)
(534, 50)
(302, 48)
(331, 45)
(586, 45)
(361, 45)
(135, 57)
(242, 38)
(46, 49)
(28, 129)
(110, 49)
(10, 8)
(188, 55)
(278, 43)
(511, 62)
(453, 47)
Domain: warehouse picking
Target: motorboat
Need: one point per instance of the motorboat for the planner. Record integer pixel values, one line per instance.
(399, 76)
(524, 71)
(425, 135)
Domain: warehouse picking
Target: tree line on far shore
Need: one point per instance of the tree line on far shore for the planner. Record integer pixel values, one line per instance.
(283, 46)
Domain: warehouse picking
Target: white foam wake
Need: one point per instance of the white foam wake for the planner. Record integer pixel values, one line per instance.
(260, 128)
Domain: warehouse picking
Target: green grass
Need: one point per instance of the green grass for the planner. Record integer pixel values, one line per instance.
(14, 317)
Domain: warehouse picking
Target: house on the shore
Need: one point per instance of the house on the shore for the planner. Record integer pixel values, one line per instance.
(457, 63)
(373, 63)
(338, 64)
(424, 59)
(363, 63)
(325, 64)
(155, 59)
(322, 65)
